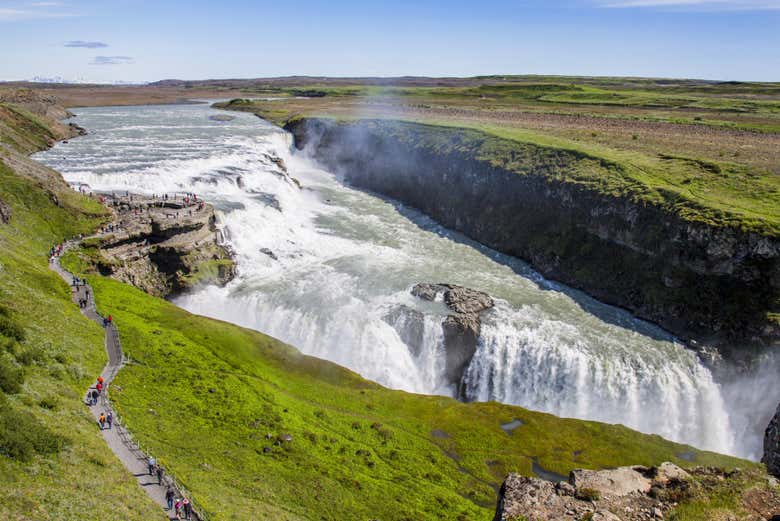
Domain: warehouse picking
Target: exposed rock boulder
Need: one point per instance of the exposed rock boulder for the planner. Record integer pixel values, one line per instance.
(76, 130)
(615, 482)
(622, 494)
(5, 212)
(461, 328)
(221, 118)
(772, 445)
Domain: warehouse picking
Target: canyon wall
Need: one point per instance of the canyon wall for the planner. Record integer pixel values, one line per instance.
(707, 283)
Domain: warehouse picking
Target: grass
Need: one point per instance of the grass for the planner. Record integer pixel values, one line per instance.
(213, 401)
(67, 472)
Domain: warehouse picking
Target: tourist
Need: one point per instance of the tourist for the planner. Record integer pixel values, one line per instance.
(94, 396)
(160, 471)
(177, 506)
(110, 419)
(187, 509)
(102, 420)
(152, 463)
(169, 494)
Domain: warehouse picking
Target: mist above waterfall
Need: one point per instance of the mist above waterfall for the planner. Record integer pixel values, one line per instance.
(328, 269)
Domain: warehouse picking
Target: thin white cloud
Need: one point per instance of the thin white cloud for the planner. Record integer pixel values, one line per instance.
(35, 11)
(112, 60)
(86, 45)
(720, 5)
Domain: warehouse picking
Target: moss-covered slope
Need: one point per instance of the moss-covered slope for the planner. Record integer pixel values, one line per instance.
(53, 463)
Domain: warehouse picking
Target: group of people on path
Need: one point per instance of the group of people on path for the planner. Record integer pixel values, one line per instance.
(81, 283)
(106, 419)
(180, 505)
(55, 251)
(95, 391)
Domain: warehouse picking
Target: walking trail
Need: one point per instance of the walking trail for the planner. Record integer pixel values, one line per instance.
(118, 438)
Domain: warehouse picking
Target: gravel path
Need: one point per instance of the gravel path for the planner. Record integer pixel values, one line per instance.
(118, 438)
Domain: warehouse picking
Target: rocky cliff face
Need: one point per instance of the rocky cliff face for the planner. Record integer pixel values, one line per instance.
(163, 247)
(772, 445)
(462, 327)
(703, 282)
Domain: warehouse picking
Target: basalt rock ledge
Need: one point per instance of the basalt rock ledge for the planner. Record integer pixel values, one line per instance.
(162, 246)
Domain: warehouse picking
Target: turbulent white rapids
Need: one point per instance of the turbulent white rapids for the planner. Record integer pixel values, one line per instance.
(324, 267)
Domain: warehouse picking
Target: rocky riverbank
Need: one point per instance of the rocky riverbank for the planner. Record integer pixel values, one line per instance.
(162, 245)
(709, 283)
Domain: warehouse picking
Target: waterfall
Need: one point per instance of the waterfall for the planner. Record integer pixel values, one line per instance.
(328, 269)
(527, 360)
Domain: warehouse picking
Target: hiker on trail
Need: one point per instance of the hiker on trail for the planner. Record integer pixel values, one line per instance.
(94, 396)
(169, 494)
(110, 319)
(99, 387)
(177, 506)
(100, 379)
(187, 509)
(152, 463)
(160, 471)
(110, 419)
(102, 420)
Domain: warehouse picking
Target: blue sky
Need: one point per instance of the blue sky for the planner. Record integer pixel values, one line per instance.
(140, 40)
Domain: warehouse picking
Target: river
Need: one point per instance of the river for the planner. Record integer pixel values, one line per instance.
(323, 266)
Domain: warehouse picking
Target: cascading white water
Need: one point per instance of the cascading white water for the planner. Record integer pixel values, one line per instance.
(328, 269)
(524, 358)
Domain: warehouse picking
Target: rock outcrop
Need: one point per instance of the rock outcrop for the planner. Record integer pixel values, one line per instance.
(462, 327)
(714, 283)
(162, 246)
(5, 212)
(772, 445)
(624, 494)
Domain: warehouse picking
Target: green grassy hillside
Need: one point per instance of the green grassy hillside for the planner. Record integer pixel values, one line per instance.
(212, 399)
(53, 463)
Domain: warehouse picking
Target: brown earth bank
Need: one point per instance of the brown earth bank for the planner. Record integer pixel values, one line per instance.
(637, 494)
(163, 245)
(710, 284)
(105, 95)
